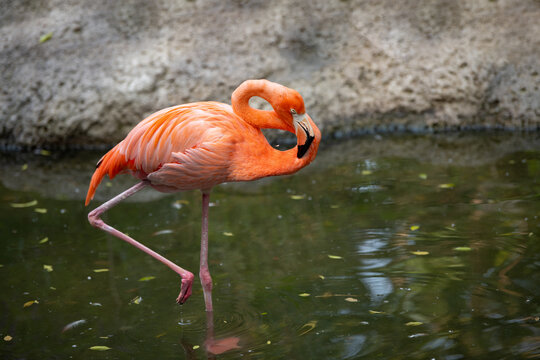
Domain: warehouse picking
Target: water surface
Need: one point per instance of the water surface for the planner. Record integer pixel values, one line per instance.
(410, 247)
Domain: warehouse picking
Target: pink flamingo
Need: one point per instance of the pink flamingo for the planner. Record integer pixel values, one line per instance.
(200, 145)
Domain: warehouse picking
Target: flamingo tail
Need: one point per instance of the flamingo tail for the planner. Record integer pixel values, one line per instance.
(110, 164)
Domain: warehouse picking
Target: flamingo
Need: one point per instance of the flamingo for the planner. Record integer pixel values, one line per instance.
(200, 145)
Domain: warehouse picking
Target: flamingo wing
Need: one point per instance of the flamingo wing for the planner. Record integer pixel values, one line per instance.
(179, 148)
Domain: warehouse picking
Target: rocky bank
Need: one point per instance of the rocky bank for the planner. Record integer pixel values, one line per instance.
(365, 65)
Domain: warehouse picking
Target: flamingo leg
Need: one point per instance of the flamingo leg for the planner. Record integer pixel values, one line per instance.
(204, 272)
(94, 217)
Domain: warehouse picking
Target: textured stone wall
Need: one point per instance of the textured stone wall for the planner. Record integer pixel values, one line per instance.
(360, 65)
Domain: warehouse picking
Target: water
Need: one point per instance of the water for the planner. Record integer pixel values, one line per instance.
(411, 247)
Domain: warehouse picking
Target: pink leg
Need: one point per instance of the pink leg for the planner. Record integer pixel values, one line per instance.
(204, 272)
(95, 220)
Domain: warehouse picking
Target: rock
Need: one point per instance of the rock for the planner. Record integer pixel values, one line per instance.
(361, 66)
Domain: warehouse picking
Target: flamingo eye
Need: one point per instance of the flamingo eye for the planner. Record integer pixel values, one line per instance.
(293, 112)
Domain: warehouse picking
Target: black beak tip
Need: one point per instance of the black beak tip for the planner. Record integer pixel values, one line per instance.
(302, 149)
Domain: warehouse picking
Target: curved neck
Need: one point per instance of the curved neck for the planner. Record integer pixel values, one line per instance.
(267, 119)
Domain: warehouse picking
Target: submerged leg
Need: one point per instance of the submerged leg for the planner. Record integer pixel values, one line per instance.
(204, 272)
(95, 220)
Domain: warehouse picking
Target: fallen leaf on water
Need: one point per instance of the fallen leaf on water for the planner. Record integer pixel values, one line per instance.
(422, 176)
(298, 197)
(101, 270)
(321, 277)
(335, 257)
(73, 325)
(376, 312)
(44, 152)
(52, 288)
(40, 210)
(334, 206)
(136, 300)
(45, 37)
(163, 232)
(420, 253)
(325, 295)
(8, 338)
(446, 186)
(23, 205)
(195, 347)
(304, 294)
(44, 240)
(226, 233)
(30, 303)
(268, 342)
(367, 172)
(161, 334)
(48, 268)
(308, 327)
(415, 227)
(100, 348)
(413, 323)
(462, 248)
(24, 167)
(351, 299)
(147, 278)
(108, 184)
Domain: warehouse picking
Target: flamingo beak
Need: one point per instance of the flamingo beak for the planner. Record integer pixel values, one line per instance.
(305, 138)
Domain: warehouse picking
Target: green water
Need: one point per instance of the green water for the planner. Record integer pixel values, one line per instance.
(411, 247)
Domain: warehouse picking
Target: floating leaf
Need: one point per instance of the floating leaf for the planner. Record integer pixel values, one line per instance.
(351, 299)
(420, 253)
(304, 294)
(376, 312)
(268, 342)
(462, 248)
(321, 277)
(24, 205)
(308, 327)
(45, 37)
(226, 233)
(446, 186)
(195, 347)
(100, 348)
(163, 232)
(298, 197)
(367, 172)
(335, 257)
(73, 325)
(47, 268)
(8, 338)
(422, 176)
(30, 303)
(108, 184)
(136, 300)
(161, 334)
(413, 323)
(40, 210)
(334, 206)
(415, 227)
(101, 270)
(44, 152)
(44, 240)
(52, 288)
(24, 167)
(147, 278)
